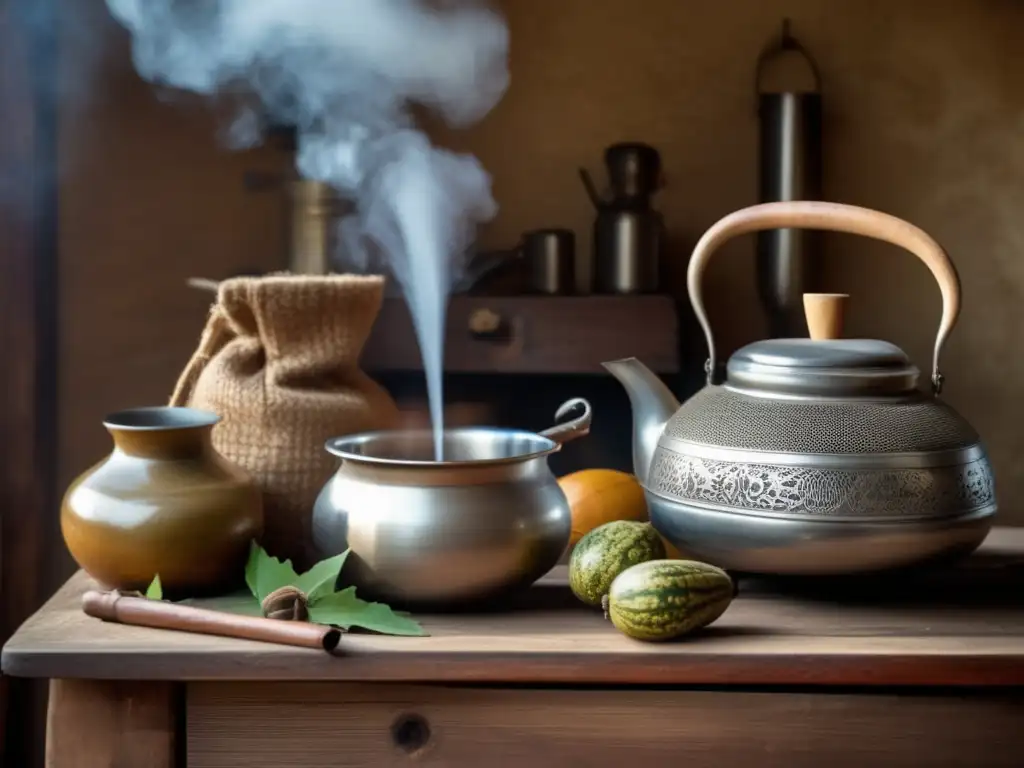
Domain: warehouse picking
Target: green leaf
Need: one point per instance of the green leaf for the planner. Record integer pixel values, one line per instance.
(344, 609)
(155, 590)
(264, 573)
(252, 565)
(319, 581)
(242, 603)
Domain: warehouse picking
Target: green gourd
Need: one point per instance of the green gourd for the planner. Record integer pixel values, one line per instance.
(665, 599)
(608, 550)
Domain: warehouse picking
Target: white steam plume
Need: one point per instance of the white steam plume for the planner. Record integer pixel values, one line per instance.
(344, 73)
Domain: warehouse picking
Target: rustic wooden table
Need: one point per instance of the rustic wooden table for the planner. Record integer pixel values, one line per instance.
(909, 672)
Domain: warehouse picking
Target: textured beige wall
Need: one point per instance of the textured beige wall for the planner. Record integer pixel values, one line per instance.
(924, 119)
(147, 199)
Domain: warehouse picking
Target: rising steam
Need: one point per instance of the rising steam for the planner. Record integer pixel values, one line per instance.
(344, 73)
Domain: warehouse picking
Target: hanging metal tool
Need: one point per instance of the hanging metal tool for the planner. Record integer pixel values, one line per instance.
(790, 169)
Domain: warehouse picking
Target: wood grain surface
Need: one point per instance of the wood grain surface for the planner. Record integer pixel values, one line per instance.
(321, 726)
(108, 724)
(963, 625)
(28, 322)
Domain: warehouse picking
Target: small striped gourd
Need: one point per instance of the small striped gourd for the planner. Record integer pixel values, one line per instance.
(607, 551)
(665, 599)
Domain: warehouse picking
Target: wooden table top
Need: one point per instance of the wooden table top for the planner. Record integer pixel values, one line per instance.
(962, 626)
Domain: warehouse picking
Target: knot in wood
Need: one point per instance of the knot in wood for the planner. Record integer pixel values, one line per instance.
(286, 603)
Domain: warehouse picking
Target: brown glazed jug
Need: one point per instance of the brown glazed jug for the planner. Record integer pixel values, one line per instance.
(165, 503)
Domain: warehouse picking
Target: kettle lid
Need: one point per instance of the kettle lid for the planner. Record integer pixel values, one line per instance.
(824, 368)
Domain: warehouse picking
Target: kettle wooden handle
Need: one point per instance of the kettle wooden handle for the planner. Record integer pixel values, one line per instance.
(835, 217)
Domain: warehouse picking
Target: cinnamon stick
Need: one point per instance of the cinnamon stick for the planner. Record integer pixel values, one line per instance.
(142, 612)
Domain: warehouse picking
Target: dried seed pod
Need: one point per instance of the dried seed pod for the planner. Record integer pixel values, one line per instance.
(286, 603)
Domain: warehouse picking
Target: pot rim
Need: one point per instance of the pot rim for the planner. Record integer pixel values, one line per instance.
(159, 418)
(342, 447)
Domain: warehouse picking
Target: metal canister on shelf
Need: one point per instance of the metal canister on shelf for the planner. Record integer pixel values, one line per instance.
(628, 232)
(790, 168)
(550, 256)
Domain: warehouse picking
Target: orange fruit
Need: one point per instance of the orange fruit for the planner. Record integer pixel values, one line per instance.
(599, 496)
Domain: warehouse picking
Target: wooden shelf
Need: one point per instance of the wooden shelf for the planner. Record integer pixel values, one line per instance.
(534, 334)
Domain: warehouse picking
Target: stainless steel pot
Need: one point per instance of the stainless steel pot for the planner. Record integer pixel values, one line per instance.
(487, 520)
(814, 456)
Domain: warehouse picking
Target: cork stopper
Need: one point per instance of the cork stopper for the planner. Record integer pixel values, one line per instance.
(825, 313)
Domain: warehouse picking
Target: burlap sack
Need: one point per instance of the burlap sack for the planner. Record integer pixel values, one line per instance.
(278, 361)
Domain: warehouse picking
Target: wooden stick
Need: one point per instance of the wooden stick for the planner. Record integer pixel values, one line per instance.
(142, 612)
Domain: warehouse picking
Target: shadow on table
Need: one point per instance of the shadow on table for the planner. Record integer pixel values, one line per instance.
(984, 580)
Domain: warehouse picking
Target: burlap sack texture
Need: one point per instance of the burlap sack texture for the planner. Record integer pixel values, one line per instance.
(278, 361)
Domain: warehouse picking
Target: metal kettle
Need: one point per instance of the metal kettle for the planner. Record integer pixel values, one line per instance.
(814, 456)
(628, 232)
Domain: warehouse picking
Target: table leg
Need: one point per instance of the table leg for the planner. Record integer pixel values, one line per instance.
(104, 723)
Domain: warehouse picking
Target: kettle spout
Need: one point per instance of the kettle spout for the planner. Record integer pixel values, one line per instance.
(653, 405)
